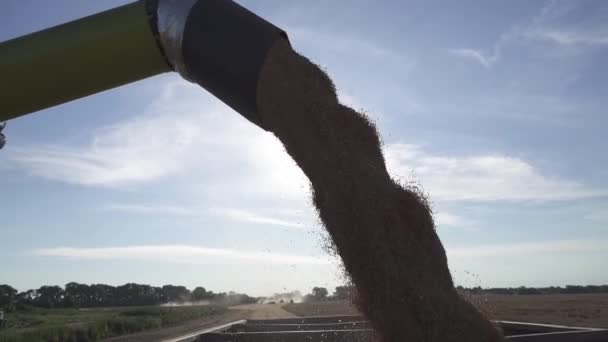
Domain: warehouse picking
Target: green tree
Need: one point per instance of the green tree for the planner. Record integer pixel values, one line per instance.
(319, 293)
(136, 294)
(77, 295)
(8, 297)
(26, 297)
(343, 293)
(49, 297)
(101, 295)
(200, 293)
(172, 293)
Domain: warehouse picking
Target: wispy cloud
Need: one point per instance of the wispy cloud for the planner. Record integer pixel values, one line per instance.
(481, 177)
(205, 255)
(528, 248)
(179, 254)
(142, 149)
(553, 10)
(567, 24)
(89, 166)
(485, 58)
(597, 216)
(184, 133)
(570, 37)
(548, 26)
(207, 145)
(476, 55)
(245, 216)
(187, 137)
(150, 209)
(452, 220)
(225, 214)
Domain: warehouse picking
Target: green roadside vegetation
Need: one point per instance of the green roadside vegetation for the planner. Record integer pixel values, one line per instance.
(82, 325)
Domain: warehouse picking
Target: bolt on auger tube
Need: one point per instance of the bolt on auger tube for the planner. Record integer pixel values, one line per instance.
(217, 44)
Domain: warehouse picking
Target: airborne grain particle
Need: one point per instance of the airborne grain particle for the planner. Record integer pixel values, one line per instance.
(384, 232)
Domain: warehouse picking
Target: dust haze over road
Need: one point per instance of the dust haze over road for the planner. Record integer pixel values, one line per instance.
(264, 311)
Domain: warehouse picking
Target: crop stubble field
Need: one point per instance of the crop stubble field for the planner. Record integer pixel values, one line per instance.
(587, 310)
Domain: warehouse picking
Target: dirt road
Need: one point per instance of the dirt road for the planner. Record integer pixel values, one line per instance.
(235, 313)
(264, 311)
(163, 334)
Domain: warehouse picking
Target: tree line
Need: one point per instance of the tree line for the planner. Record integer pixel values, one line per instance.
(320, 294)
(522, 290)
(76, 295)
(346, 292)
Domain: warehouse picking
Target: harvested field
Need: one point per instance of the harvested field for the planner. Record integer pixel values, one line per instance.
(586, 310)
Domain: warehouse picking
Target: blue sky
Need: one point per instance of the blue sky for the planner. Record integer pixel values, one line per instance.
(497, 108)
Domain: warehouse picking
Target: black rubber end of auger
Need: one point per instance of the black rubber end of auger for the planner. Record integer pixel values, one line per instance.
(224, 49)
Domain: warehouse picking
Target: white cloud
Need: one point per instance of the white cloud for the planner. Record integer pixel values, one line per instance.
(580, 29)
(546, 26)
(136, 150)
(486, 59)
(184, 133)
(89, 167)
(274, 218)
(570, 37)
(145, 209)
(451, 220)
(481, 177)
(205, 255)
(552, 10)
(475, 55)
(191, 138)
(598, 216)
(245, 216)
(180, 254)
(528, 248)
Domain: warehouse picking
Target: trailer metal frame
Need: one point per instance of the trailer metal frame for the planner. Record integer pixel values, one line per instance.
(358, 329)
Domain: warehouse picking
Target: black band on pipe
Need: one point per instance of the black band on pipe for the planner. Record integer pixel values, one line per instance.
(224, 48)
